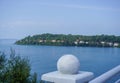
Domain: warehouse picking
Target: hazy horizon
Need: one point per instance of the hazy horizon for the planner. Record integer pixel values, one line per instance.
(51, 33)
(19, 19)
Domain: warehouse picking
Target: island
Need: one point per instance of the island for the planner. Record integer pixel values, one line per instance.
(71, 40)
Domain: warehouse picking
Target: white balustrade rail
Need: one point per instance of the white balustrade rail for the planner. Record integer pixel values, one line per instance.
(106, 76)
(118, 81)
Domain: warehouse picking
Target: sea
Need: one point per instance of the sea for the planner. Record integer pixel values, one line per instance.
(43, 59)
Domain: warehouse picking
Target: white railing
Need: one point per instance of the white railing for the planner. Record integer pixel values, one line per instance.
(106, 76)
(118, 81)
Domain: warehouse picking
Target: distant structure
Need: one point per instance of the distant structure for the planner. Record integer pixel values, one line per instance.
(68, 72)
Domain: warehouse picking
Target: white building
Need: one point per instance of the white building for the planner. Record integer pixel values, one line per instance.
(110, 43)
(81, 42)
(53, 41)
(86, 42)
(75, 42)
(116, 44)
(102, 42)
(40, 41)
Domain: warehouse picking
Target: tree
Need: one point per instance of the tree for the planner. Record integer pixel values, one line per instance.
(68, 40)
(15, 69)
(2, 60)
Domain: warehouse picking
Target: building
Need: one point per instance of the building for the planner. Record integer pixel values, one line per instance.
(75, 42)
(116, 45)
(81, 42)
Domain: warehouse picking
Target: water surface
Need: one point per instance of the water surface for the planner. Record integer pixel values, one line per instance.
(43, 59)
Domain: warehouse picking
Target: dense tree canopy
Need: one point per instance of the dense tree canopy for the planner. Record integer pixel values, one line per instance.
(71, 40)
(15, 69)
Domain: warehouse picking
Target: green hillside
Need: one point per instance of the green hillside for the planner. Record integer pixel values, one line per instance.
(71, 40)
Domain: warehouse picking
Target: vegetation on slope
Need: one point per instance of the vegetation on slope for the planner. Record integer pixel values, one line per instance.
(71, 40)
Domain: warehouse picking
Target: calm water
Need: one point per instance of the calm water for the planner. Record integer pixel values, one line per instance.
(43, 59)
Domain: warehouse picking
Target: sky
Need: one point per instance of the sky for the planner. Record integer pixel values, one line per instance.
(20, 18)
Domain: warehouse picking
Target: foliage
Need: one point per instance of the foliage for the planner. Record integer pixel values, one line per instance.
(2, 60)
(69, 40)
(15, 69)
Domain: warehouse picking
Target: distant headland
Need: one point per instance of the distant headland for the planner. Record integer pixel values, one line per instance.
(71, 40)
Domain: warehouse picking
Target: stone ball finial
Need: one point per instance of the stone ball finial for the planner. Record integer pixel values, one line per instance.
(68, 64)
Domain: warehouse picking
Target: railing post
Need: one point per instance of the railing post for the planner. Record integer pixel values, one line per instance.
(68, 72)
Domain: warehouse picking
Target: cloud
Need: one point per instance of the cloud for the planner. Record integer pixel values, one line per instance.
(79, 6)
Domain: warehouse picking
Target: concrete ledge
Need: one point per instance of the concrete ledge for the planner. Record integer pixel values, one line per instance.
(58, 77)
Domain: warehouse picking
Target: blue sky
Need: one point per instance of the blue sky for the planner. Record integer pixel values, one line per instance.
(20, 18)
